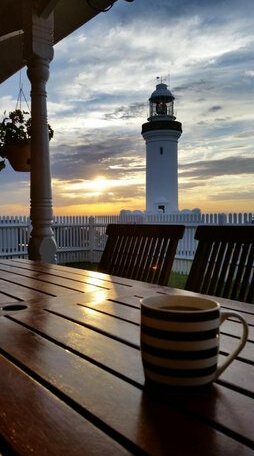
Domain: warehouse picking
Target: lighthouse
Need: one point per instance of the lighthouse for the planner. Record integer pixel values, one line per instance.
(161, 134)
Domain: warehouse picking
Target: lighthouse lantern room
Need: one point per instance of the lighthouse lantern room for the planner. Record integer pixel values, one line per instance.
(161, 103)
(161, 134)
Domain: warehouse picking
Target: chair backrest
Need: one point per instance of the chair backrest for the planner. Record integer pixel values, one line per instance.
(223, 264)
(141, 252)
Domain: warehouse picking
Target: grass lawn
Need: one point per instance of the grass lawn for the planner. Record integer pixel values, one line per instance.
(175, 281)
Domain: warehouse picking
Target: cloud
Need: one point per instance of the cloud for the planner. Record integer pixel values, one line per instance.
(135, 110)
(215, 108)
(103, 75)
(113, 156)
(234, 196)
(195, 86)
(209, 169)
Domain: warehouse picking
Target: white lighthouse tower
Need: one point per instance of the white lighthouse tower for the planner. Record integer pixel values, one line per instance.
(161, 134)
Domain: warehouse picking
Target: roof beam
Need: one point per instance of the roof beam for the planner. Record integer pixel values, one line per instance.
(46, 7)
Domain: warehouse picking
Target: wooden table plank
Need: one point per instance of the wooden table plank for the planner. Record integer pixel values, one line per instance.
(43, 424)
(58, 329)
(235, 328)
(5, 298)
(145, 288)
(110, 305)
(18, 289)
(92, 345)
(131, 414)
(61, 271)
(130, 308)
(106, 324)
(240, 376)
(227, 343)
(101, 301)
(36, 285)
(81, 283)
(122, 329)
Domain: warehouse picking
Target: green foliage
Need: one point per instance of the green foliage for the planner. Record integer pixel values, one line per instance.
(16, 128)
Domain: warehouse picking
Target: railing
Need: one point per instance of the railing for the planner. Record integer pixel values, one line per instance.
(82, 238)
(14, 236)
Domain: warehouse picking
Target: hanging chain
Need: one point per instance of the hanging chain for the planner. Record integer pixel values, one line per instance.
(21, 91)
(19, 99)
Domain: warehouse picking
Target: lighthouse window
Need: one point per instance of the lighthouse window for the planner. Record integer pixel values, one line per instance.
(161, 150)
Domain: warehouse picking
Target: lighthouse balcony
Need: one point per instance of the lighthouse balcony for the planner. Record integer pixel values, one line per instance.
(162, 125)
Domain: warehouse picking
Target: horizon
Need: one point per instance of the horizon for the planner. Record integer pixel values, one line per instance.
(98, 94)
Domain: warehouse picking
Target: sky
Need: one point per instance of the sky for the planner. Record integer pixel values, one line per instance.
(101, 78)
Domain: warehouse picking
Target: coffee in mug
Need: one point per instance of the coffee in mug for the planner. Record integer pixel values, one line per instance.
(180, 340)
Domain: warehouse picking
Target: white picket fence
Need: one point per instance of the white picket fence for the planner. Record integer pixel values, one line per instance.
(82, 238)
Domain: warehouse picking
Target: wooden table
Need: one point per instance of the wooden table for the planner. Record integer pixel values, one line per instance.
(71, 377)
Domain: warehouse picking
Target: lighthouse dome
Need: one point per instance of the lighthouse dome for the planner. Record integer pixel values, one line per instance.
(162, 91)
(161, 103)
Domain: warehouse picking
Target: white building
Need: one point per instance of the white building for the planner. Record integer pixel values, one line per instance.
(161, 134)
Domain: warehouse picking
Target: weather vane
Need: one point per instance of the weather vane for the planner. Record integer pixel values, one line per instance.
(164, 80)
(160, 78)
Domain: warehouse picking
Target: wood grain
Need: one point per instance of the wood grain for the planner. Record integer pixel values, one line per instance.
(35, 422)
(131, 415)
(71, 376)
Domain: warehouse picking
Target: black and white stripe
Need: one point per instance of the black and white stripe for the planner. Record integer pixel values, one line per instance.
(179, 348)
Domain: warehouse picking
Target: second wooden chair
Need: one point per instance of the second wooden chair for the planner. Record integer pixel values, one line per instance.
(223, 264)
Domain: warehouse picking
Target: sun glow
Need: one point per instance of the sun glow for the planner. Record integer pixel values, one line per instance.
(95, 186)
(99, 184)
(98, 196)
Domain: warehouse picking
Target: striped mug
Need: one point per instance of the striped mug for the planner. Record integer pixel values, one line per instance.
(180, 340)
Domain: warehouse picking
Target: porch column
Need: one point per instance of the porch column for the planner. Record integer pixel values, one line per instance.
(39, 47)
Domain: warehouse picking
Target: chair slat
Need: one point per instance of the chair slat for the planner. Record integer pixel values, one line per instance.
(159, 261)
(232, 269)
(246, 281)
(229, 248)
(137, 273)
(152, 262)
(240, 270)
(250, 294)
(131, 266)
(195, 279)
(210, 274)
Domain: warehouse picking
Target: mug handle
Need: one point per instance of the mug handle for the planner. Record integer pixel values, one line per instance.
(224, 316)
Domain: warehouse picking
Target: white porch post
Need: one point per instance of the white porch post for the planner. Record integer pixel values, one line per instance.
(39, 51)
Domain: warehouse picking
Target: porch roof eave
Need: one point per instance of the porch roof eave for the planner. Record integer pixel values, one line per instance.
(68, 16)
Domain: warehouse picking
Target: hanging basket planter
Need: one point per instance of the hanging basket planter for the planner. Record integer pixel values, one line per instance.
(15, 140)
(19, 156)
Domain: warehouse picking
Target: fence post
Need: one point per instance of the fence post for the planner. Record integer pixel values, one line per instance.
(222, 219)
(91, 237)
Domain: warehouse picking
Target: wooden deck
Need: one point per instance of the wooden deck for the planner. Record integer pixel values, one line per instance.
(71, 377)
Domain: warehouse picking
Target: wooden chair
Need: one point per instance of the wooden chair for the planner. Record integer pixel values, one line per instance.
(141, 252)
(223, 264)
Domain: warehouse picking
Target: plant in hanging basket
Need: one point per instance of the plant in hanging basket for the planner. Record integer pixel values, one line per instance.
(15, 139)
